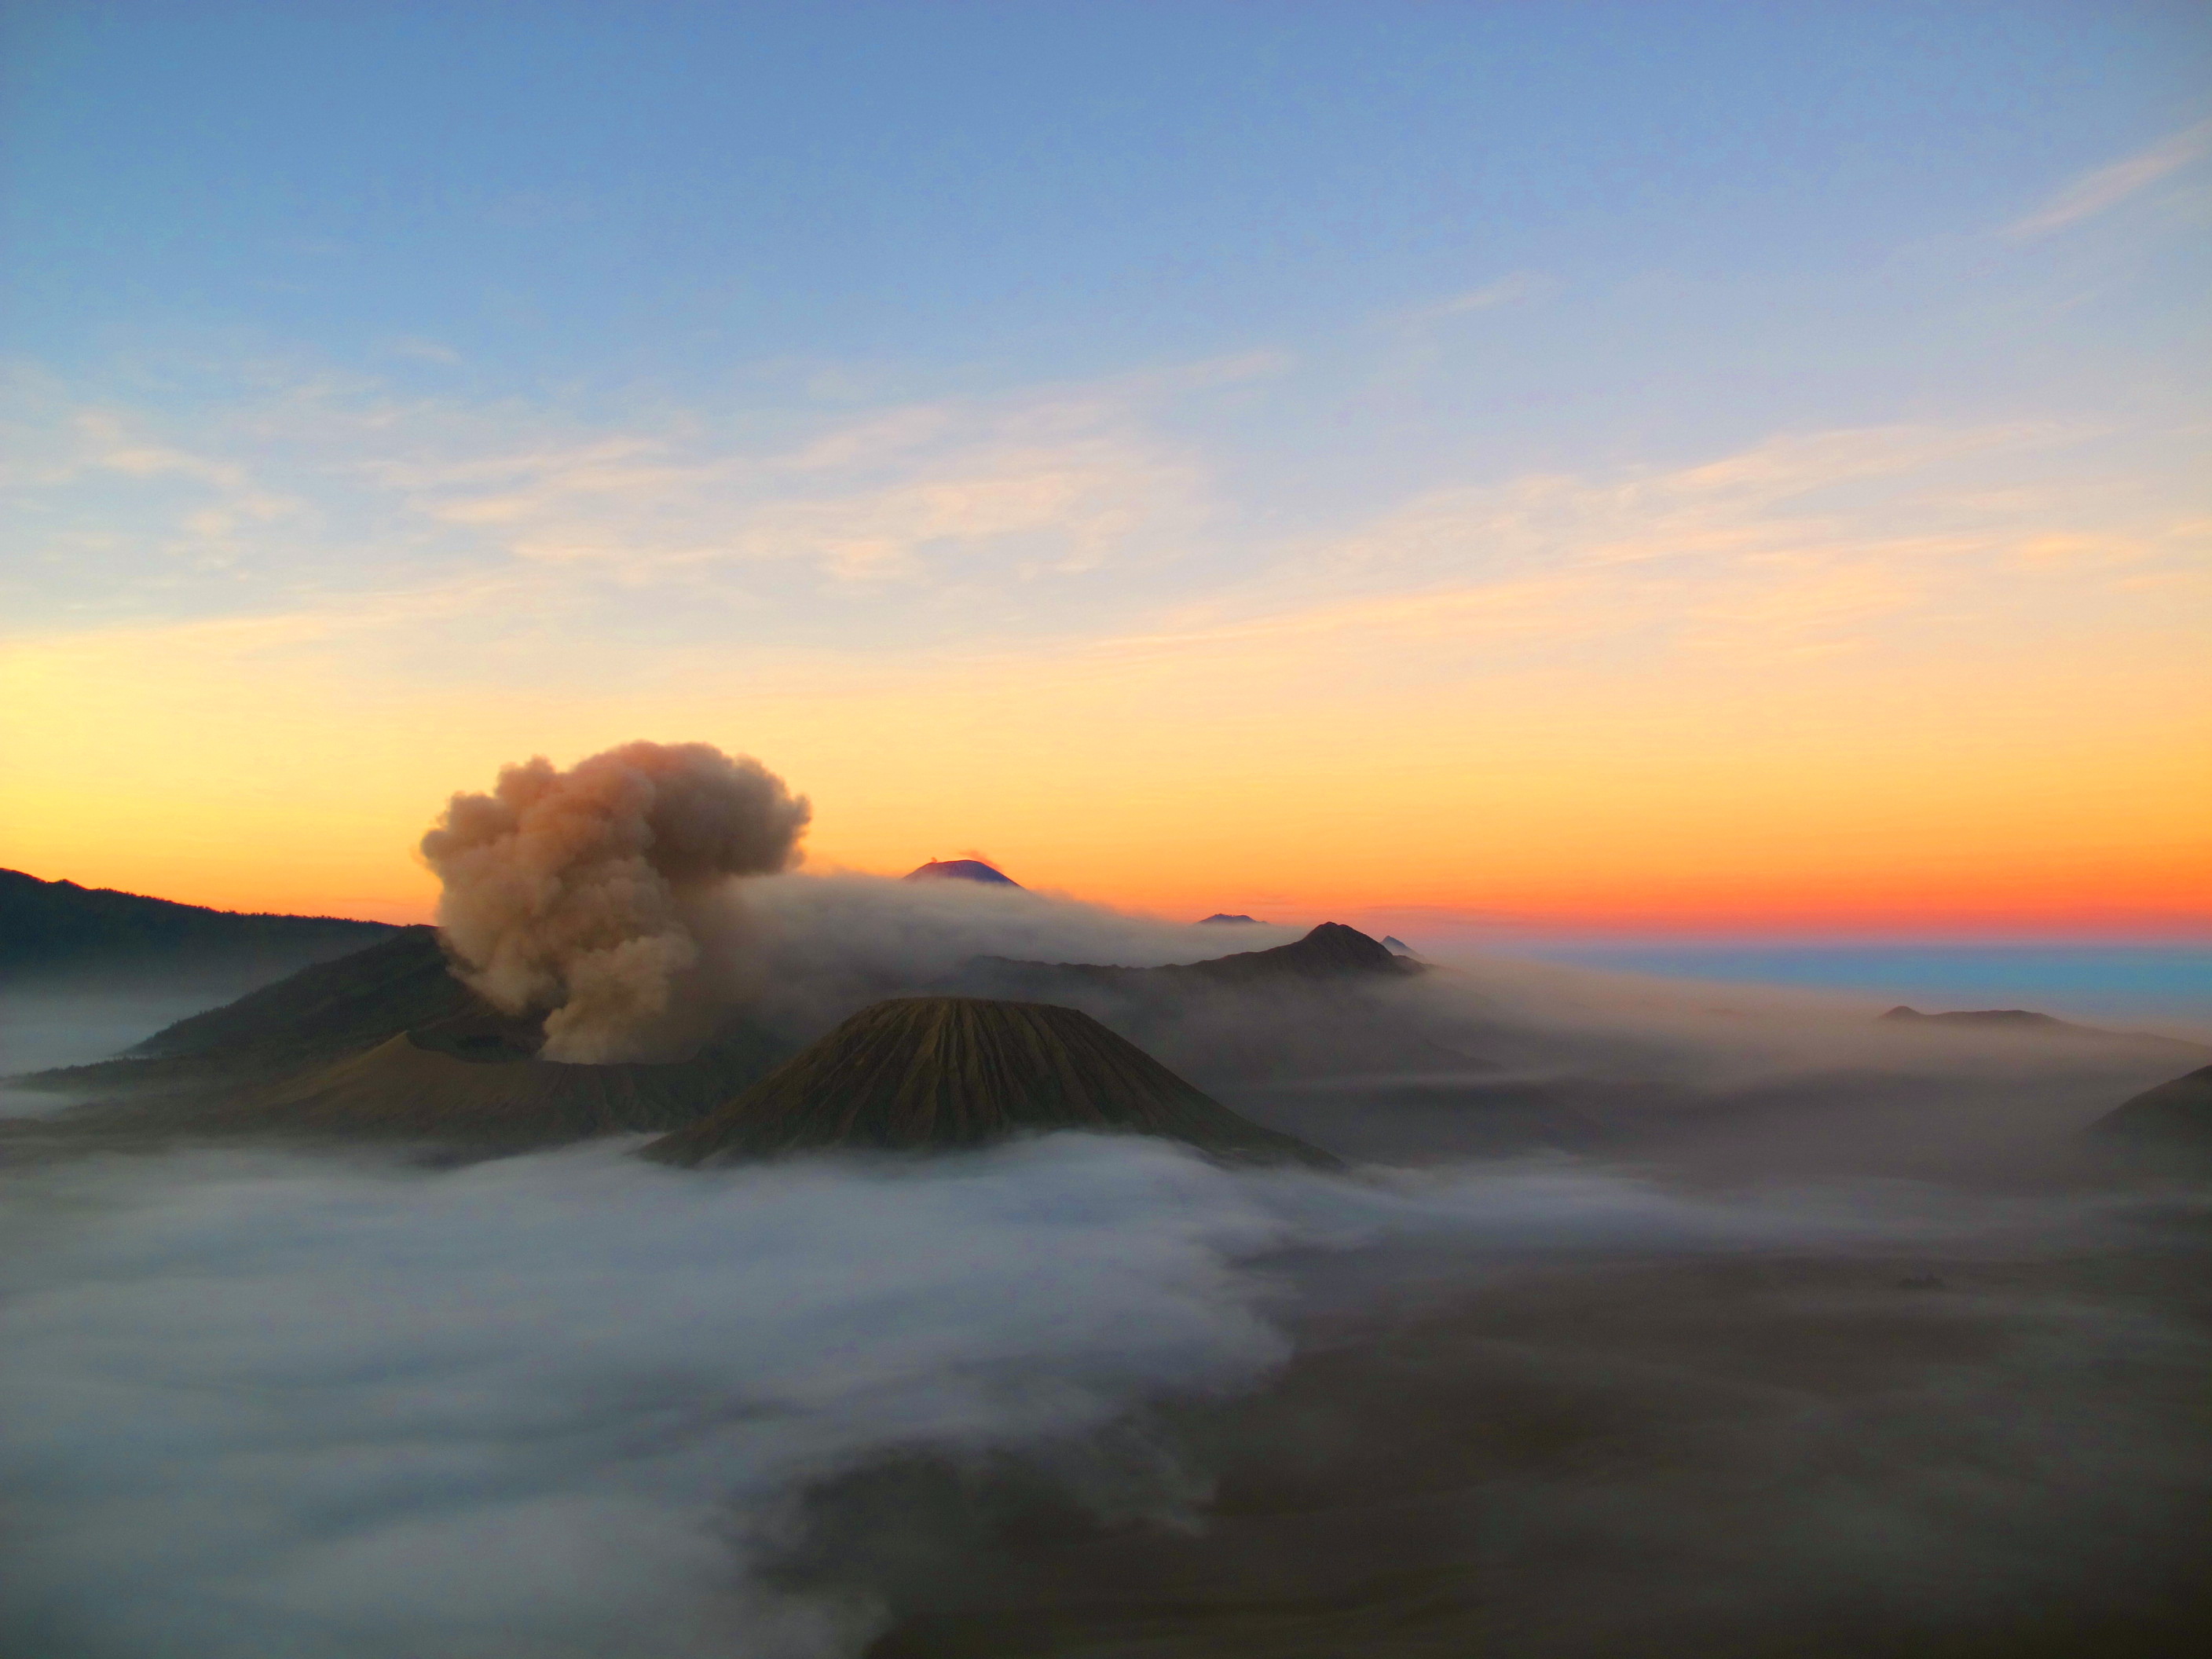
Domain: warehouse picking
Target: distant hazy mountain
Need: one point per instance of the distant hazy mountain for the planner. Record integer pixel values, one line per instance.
(961, 870)
(2026, 1020)
(944, 1072)
(57, 927)
(1333, 1002)
(1331, 950)
(2021, 1018)
(1224, 917)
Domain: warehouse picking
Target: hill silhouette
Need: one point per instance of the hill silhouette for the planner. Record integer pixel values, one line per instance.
(943, 1073)
(2177, 1115)
(960, 870)
(1330, 952)
(2015, 1018)
(48, 927)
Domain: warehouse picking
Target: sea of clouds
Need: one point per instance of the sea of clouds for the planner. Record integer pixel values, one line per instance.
(332, 1407)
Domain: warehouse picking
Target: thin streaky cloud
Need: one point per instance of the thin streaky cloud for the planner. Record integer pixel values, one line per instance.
(1512, 289)
(2108, 186)
(425, 350)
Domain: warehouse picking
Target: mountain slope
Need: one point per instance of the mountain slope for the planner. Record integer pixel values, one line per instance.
(944, 1072)
(57, 927)
(401, 1088)
(2177, 1114)
(317, 1015)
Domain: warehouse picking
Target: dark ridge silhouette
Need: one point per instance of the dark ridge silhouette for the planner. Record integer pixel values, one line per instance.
(944, 1072)
(961, 870)
(1331, 950)
(404, 1089)
(2177, 1114)
(2017, 1017)
(50, 928)
(1224, 917)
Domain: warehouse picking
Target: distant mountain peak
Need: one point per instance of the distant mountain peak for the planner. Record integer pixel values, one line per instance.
(1332, 948)
(1224, 917)
(961, 870)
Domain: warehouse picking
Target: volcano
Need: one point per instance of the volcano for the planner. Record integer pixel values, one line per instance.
(945, 1072)
(961, 870)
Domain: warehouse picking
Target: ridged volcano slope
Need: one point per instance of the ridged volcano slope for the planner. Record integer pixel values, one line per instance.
(952, 1072)
(403, 1089)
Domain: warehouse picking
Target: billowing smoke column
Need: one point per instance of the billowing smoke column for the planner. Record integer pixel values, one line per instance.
(596, 891)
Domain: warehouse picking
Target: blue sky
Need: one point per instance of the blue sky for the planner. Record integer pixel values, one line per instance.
(649, 200)
(1500, 404)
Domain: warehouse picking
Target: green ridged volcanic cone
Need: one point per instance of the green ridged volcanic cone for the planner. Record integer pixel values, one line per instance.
(943, 1073)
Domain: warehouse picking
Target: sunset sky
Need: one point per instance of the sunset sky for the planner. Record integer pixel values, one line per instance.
(1699, 468)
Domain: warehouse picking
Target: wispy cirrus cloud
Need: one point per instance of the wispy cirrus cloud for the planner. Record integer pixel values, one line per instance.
(318, 494)
(1038, 520)
(1515, 289)
(1805, 543)
(2106, 187)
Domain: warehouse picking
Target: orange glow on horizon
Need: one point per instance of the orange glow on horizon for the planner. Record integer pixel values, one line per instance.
(1930, 790)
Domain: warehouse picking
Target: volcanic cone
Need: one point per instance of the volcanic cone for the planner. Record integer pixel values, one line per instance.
(953, 1071)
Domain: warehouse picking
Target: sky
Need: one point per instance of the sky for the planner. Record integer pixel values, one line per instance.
(1654, 468)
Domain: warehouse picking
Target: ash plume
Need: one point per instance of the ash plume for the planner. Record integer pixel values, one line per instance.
(597, 893)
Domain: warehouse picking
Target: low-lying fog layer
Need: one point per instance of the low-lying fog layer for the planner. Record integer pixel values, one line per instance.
(332, 1407)
(70, 1023)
